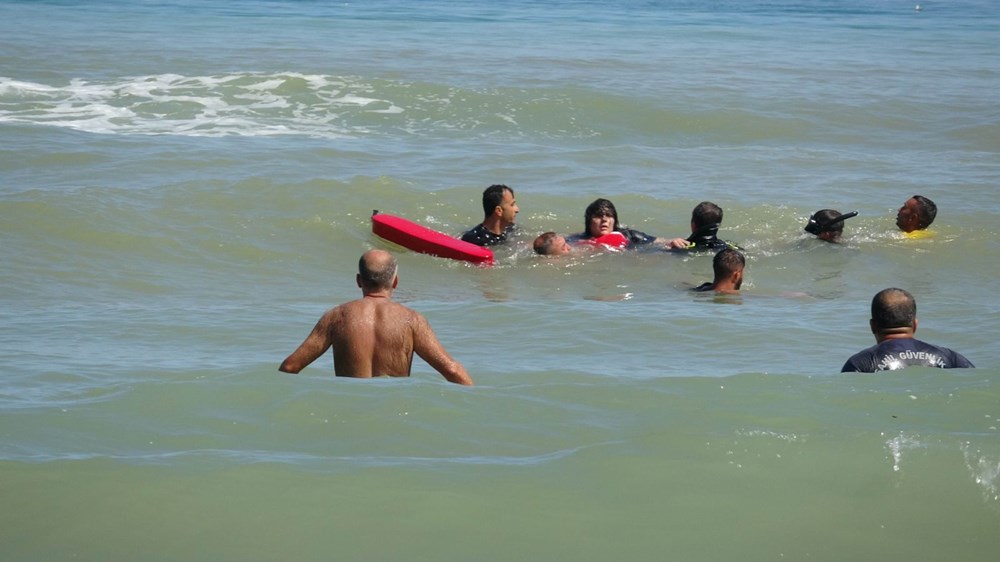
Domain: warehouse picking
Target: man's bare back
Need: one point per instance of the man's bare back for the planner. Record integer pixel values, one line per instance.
(373, 336)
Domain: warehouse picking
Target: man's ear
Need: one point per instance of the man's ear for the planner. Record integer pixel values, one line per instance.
(395, 281)
(872, 327)
(914, 325)
(357, 279)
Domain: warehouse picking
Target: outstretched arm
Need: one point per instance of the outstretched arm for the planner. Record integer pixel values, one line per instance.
(315, 345)
(673, 243)
(427, 346)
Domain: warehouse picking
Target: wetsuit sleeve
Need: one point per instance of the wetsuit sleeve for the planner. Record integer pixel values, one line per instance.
(637, 237)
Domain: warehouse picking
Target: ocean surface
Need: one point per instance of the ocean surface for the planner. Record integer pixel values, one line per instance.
(185, 187)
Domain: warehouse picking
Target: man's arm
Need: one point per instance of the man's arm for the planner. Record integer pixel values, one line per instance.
(427, 346)
(315, 345)
(674, 243)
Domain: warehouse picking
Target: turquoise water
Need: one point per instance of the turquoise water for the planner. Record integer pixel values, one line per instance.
(186, 186)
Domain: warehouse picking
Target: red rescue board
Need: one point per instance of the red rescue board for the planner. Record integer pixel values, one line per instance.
(418, 238)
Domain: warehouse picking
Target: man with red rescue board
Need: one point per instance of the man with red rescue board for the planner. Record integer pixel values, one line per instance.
(500, 208)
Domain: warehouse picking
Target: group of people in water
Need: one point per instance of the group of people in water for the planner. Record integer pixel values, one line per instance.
(374, 336)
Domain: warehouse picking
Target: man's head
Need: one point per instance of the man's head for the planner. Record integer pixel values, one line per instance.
(728, 267)
(551, 244)
(498, 201)
(377, 271)
(600, 218)
(917, 213)
(894, 312)
(705, 217)
(827, 224)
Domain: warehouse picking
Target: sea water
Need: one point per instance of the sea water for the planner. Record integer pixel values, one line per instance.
(185, 186)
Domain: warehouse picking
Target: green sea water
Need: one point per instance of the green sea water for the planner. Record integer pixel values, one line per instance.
(186, 186)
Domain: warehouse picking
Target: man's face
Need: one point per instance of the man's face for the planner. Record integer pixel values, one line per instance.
(907, 218)
(560, 246)
(508, 208)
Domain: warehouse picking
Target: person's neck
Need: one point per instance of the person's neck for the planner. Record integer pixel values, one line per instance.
(894, 334)
(378, 294)
(494, 224)
(726, 287)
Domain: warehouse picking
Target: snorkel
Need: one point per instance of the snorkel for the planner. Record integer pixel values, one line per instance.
(820, 221)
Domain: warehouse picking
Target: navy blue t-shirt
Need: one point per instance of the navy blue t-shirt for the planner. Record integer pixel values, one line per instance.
(895, 354)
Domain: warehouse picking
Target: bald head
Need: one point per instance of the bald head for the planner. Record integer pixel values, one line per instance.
(893, 310)
(376, 270)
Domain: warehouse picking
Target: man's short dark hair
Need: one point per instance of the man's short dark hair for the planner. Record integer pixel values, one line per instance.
(893, 308)
(543, 244)
(727, 262)
(493, 197)
(926, 211)
(377, 274)
(706, 214)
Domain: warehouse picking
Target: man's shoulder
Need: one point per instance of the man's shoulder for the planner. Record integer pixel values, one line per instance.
(898, 353)
(378, 309)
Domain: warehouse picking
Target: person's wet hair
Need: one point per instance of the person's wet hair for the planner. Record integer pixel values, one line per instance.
(893, 308)
(926, 211)
(543, 244)
(727, 262)
(600, 207)
(706, 215)
(493, 197)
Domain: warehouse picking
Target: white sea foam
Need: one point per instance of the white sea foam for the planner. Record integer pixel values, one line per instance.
(246, 104)
(985, 470)
(899, 445)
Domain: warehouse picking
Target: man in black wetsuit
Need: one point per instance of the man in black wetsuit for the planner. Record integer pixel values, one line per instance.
(500, 208)
(893, 322)
(706, 218)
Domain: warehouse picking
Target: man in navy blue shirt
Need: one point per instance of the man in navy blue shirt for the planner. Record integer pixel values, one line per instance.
(893, 322)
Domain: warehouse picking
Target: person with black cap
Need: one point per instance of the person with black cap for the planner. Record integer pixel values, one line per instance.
(828, 224)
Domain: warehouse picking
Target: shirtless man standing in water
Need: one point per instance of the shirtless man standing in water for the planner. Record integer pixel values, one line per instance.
(373, 336)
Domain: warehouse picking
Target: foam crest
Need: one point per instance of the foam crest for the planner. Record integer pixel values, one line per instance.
(246, 104)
